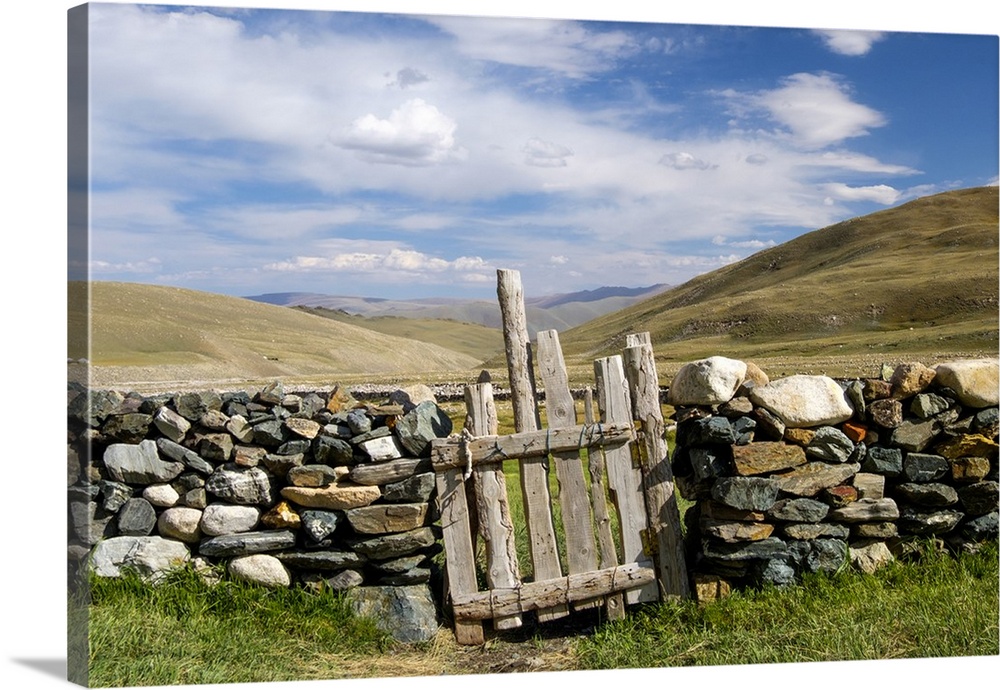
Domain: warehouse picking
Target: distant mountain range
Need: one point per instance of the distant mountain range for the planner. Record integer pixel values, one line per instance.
(561, 312)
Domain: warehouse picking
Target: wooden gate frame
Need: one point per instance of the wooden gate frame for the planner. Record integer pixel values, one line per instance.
(626, 446)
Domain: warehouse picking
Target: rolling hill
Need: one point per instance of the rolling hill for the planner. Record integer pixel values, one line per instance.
(147, 334)
(920, 277)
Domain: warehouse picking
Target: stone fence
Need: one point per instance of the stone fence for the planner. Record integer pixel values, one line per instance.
(277, 488)
(807, 473)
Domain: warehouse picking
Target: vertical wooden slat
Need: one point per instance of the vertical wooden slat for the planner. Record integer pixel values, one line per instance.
(624, 480)
(560, 412)
(460, 562)
(493, 510)
(658, 479)
(534, 472)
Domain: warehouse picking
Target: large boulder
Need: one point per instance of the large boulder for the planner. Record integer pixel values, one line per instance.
(407, 613)
(139, 463)
(804, 401)
(710, 381)
(975, 381)
(149, 557)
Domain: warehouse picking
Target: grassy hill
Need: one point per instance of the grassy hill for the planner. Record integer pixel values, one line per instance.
(918, 278)
(147, 334)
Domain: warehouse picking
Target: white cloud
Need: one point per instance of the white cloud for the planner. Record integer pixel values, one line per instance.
(416, 133)
(146, 266)
(723, 241)
(756, 159)
(882, 194)
(849, 41)
(545, 154)
(683, 160)
(385, 258)
(815, 109)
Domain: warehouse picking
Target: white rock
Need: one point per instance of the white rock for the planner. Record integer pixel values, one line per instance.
(709, 381)
(262, 569)
(976, 381)
(150, 557)
(161, 495)
(180, 523)
(222, 518)
(804, 401)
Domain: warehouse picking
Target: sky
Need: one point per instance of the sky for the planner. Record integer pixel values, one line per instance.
(245, 151)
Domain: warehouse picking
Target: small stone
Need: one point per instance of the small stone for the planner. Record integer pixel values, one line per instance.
(720, 511)
(407, 613)
(383, 448)
(743, 551)
(270, 433)
(886, 413)
(909, 379)
(914, 436)
(987, 422)
(411, 396)
(800, 437)
(421, 425)
(320, 524)
(811, 478)
(830, 444)
(281, 516)
(877, 389)
(747, 493)
(839, 496)
(981, 528)
(151, 557)
(855, 392)
(884, 461)
(768, 424)
(213, 419)
(171, 424)
(248, 456)
(709, 587)
(824, 556)
(708, 381)
(131, 427)
(804, 531)
(924, 467)
(161, 495)
(240, 428)
(708, 463)
(321, 560)
(927, 405)
(139, 464)
(967, 445)
(870, 556)
(222, 518)
(855, 432)
(774, 572)
(272, 393)
(137, 518)
(216, 448)
(866, 510)
(306, 428)
(341, 582)
(874, 530)
(931, 495)
(416, 489)
(925, 522)
(969, 470)
(261, 569)
(180, 523)
(869, 485)
(340, 400)
(195, 498)
(186, 456)
(193, 405)
(979, 498)
(244, 486)
(804, 401)
(332, 451)
(114, 495)
(394, 545)
(798, 510)
(706, 431)
(975, 382)
(388, 518)
(315, 476)
(737, 407)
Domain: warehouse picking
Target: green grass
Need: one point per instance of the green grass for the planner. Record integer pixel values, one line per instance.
(940, 606)
(184, 631)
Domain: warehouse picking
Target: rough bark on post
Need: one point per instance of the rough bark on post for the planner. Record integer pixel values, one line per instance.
(560, 411)
(534, 472)
(658, 479)
(493, 510)
(624, 480)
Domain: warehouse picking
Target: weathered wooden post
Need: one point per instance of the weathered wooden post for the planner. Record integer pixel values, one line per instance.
(533, 471)
(624, 480)
(664, 534)
(493, 510)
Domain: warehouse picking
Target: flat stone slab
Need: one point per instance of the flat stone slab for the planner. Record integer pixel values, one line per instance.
(804, 400)
(337, 496)
(766, 456)
(746, 493)
(811, 478)
(866, 510)
(393, 517)
(321, 560)
(247, 543)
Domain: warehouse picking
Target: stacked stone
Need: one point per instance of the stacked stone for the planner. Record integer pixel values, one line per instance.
(278, 488)
(807, 474)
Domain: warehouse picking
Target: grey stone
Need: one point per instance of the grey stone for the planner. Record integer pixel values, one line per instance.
(281, 465)
(321, 560)
(743, 551)
(247, 543)
(222, 518)
(139, 463)
(743, 429)
(398, 565)
(410, 577)
(855, 395)
(885, 461)
(866, 510)
(925, 522)
(298, 446)
(931, 495)
(217, 448)
(707, 463)
(272, 393)
(383, 448)
(870, 555)
(416, 489)
(394, 545)
(774, 572)
(815, 530)
(874, 530)
(799, 510)
(359, 422)
(149, 557)
(830, 444)
(706, 431)
(215, 420)
(981, 528)
(987, 422)
(927, 405)
(811, 478)
(193, 405)
(195, 498)
(825, 556)
(342, 581)
(768, 424)
(407, 613)
(748, 493)
(979, 498)
(270, 433)
(90, 523)
(388, 518)
(314, 475)
(924, 467)
(114, 495)
(188, 457)
(131, 427)
(418, 427)
(914, 436)
(320, 524)
(261, 569)
(93, 409)
(245, 486)
(332, 451)
(137, 518)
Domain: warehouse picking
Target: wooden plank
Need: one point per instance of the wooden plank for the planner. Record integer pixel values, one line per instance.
(662, 511)
(560, 413)
(624, 480)
(457, 452)
(460, 561)
(492, 508)
(550, 593)
(534, 471)
(614, 604)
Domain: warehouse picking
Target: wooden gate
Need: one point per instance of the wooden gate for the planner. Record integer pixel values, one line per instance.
(622, 452)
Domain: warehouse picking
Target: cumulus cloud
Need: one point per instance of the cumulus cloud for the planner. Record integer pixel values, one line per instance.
(816, 110)
(150, 265)
(723, 241)
(683, 160)
(881, 194)
(849, 41)
(416, 133)
(396, 259)
(545, 154)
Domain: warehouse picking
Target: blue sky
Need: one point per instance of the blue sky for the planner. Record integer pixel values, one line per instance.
(245, 151)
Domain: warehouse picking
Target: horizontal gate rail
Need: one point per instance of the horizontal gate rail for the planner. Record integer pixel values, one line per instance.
(531, 596)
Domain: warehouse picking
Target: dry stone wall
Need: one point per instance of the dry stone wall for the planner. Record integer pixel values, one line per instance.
(806, 473)
(273, 487)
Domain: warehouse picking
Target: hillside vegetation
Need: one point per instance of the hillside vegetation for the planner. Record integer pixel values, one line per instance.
(918, 278)
(146, 334)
